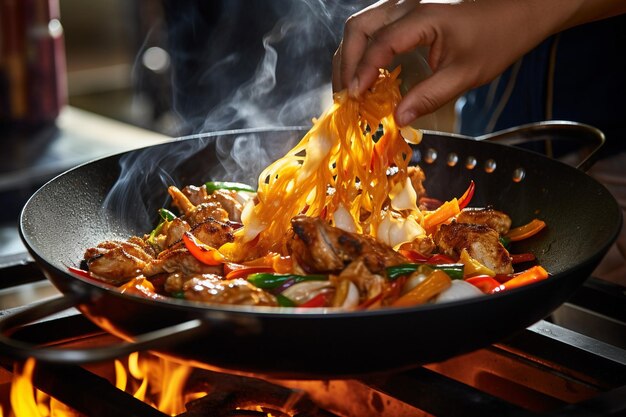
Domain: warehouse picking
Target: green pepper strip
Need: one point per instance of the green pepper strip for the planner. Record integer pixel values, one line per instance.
(270, 281)
(284, 301)
(454, 271)
(505, 241)
(165, 215)
(224, 185)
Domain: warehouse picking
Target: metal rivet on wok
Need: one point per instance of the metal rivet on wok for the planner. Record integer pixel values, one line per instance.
(519, 174)
(490, 166)
(470, 162)
(430, 156)
(452, 159)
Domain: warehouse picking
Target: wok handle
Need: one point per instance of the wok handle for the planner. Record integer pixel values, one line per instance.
(167, 336)
(553, 130)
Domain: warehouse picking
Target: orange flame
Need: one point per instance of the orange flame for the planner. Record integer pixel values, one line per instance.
(155, 381)
(26, 401)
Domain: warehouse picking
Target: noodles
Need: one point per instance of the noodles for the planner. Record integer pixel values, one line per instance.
(337, 167)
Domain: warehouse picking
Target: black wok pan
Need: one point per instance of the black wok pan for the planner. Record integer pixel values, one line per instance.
(77, 210)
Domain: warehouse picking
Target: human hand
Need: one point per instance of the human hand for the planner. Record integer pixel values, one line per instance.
(470, 44)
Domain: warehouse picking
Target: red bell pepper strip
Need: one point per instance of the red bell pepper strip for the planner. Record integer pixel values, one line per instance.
(467, 195)
(518, 258)
(533, 274)
(485, 283)
(204, 253)
(440, 258)
(80, 272)
(523, 232)
(320, 300)
(87, 275)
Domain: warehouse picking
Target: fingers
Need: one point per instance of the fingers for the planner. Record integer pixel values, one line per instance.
(429, 95)
(359, 31)
(336, 81)
(403, 35)
(373, 38)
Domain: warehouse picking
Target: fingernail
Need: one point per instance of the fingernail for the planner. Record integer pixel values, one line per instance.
(353, 90)
(405, 117)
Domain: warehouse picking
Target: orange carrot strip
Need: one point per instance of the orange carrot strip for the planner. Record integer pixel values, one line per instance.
(444, 212)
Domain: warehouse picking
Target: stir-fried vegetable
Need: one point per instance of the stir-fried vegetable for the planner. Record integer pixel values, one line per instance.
(435, 283)
(458, 290)
(465, 199)
(518, 258)
(485, 283)
(454, 271)
(445, 212)
(524, 232)
(272, 281)
(225, 185)
(473, 267)
(204, 253)
(533, 274)
(166, 216)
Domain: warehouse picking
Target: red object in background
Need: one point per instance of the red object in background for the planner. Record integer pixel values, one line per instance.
(33, 86)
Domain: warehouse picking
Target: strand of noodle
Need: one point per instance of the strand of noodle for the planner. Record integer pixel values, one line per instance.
(352, 164)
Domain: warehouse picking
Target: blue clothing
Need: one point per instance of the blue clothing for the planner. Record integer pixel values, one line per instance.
(577, 75)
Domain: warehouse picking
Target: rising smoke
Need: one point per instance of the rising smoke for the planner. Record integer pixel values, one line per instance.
(235, 64)
(246, 63)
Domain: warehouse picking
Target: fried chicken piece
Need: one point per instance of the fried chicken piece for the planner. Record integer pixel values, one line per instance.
(196, 213)
(196, 195)
(226, 199)
(319, 247)
(180, 200)
(495, 219)
(204, 211)
(179, 260)
(368, 283)
(423, 245)
(174, 232)
(481, 242)
(144, 245)
(116, 262)
(213, 232)
(213, 289)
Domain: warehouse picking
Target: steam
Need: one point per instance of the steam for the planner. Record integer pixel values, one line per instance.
(291, 83)
(218, 89)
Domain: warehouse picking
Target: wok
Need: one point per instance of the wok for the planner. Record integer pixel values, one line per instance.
(118, 196)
